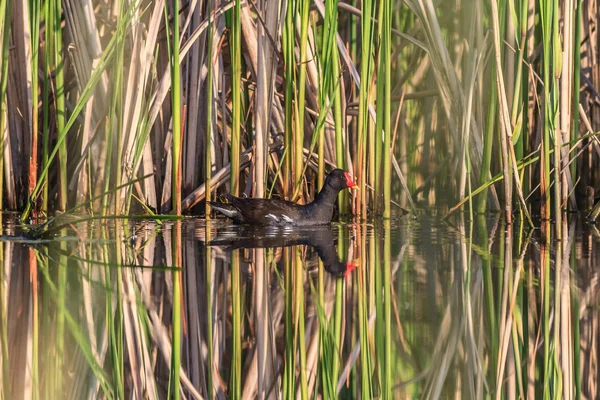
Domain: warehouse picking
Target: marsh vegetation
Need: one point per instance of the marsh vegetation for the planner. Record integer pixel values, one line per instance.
(485, 113)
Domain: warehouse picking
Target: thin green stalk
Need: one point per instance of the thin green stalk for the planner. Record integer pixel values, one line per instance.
(34, 20)
(340, 151)
(546, 15)
(209, 113)
(386, 61)
(555, 125)
(48, 51)
(304, 10)
(380, 108)
(363, 102)
(235, 383)
(59, 93)
(576, 79)
(176, 100)
(236, 98)
(5, 20)
(288, 36)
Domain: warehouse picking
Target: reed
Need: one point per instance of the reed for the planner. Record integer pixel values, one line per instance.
(176, 104)
(5, 24)
(236, 98)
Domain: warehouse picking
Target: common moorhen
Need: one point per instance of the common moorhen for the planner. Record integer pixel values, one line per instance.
(282, 212)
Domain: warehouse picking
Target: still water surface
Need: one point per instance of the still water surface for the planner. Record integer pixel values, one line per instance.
(416, 307)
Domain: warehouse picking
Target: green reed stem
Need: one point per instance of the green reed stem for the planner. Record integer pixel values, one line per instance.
(209, 114)
(59, 93)
(366, 65)
(386, 62)
(304, 11)
(5, 21)
(34, 21)
(576, 78)
(176, 101)
(380, 109)
(48, 51)
(556, 63)
(546, 15)
(236, 97)
(289, 57)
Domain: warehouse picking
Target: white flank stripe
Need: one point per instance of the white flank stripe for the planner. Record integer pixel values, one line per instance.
(273, 217)
(286, 218)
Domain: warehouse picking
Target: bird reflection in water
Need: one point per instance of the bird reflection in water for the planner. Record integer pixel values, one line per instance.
(320, 238)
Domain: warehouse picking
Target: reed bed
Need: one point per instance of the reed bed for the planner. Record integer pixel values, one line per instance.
(426, 105)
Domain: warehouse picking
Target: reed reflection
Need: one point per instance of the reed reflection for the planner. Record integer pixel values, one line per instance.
(435, 309)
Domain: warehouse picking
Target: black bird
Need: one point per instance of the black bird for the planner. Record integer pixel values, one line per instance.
(285, 213)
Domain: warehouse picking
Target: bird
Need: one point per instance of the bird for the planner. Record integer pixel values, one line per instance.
(285, 213)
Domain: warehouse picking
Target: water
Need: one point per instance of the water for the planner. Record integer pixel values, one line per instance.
(414, 307)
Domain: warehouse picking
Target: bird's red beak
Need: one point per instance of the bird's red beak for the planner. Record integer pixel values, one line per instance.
(350, 266)
(349, 182)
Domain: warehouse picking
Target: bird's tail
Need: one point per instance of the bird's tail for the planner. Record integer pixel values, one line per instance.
(226, 209)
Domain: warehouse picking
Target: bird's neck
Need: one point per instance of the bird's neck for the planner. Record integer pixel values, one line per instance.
(324, 202)
(327, 196)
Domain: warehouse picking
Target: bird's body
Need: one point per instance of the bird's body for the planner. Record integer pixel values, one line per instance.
(282, 212)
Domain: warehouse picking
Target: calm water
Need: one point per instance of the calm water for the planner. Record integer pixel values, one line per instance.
(416, 307)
